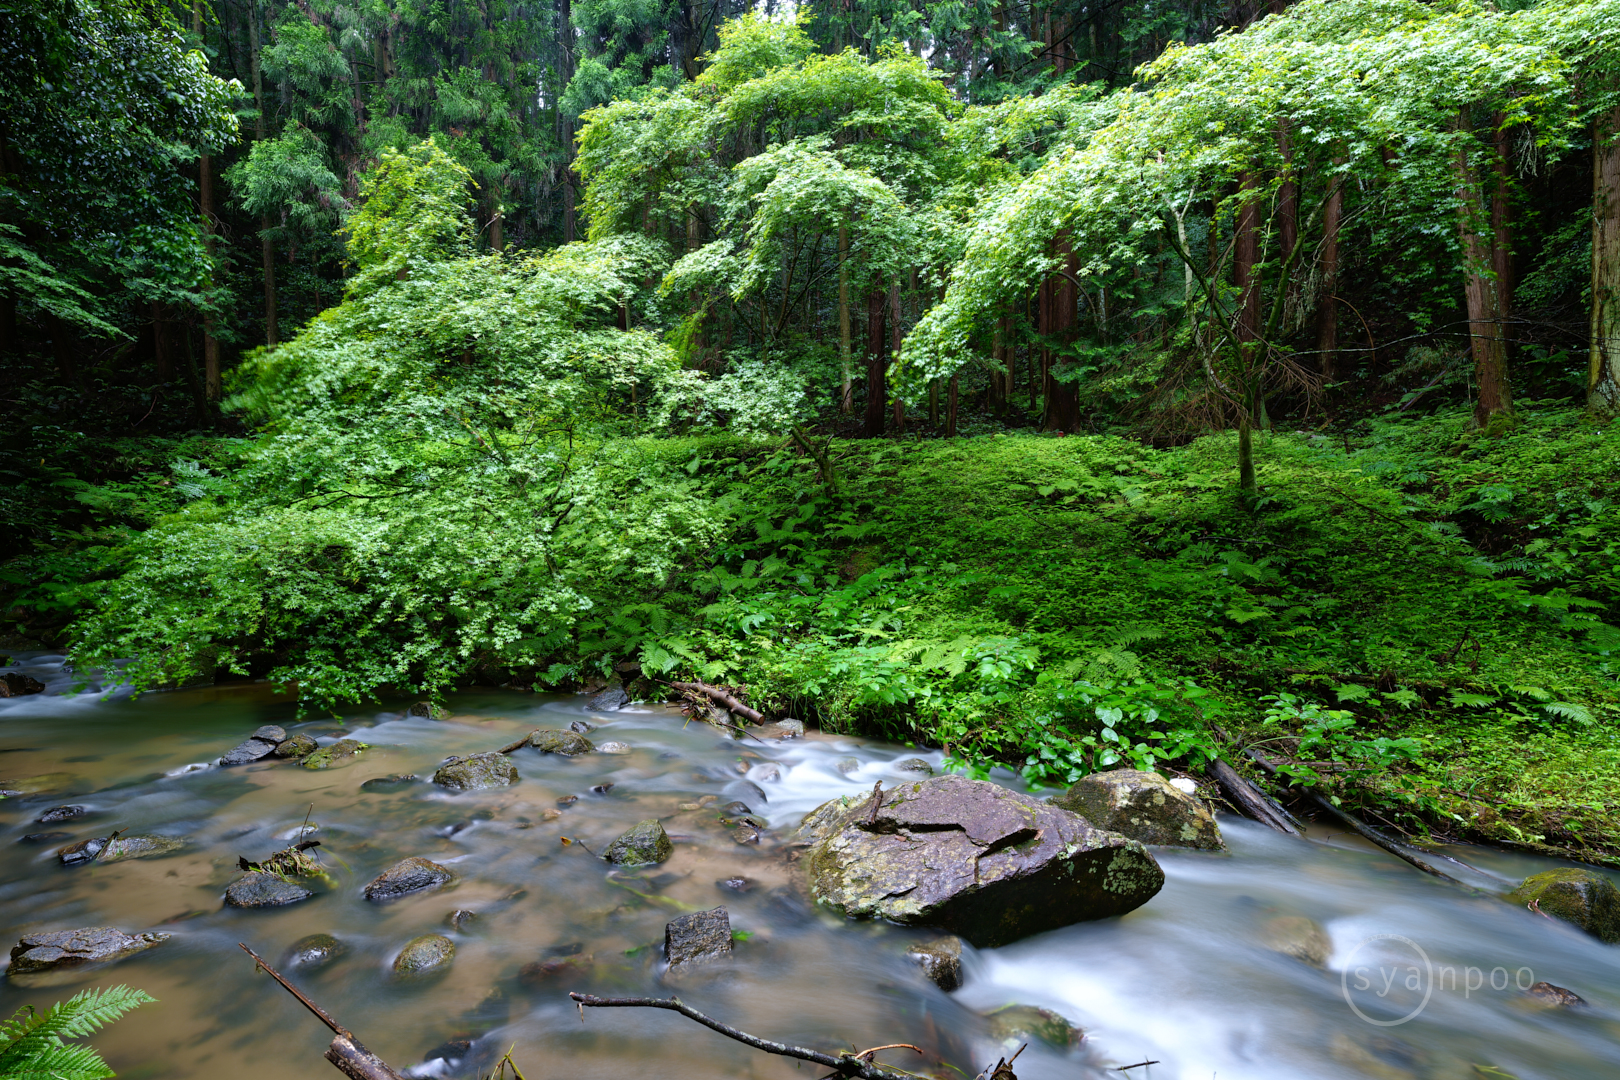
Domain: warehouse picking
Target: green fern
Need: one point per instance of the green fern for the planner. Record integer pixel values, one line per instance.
(32, 1047)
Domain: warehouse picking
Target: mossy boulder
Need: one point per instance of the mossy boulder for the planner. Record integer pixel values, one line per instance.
(408, 876)
(1143, 806)
(339, 753)
(476, 773)
(1583, 897)
(1021, 1023)
(296, 746)
(645, 843)
(974, 859)
(258, 889)
(314, 952)
(61, 949)
(566, 743)
(429, 954)
(118, 849)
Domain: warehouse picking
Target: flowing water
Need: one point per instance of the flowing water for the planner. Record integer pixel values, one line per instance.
(1420, 979)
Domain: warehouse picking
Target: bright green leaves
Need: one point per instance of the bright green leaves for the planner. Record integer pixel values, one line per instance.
(415, 207)
(751, 46)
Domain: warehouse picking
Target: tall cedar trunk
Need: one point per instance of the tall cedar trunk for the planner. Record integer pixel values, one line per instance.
(894, 350)
(194, 379)
(1327, 309)
(1603, 375)
(497, 229)
(846, 399)
(1246, 276)
(567, 38)
(1502, 232)
(877, 392)
(1063, 398)
(1483, 298)
(1287, 200)
(1043, 326)
(268, 249)
(205, 207)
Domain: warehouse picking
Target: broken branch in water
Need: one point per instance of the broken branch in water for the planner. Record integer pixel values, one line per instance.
(844, 1064)
(345, 1051)
(1248, 798)
(1138, 1065)
(720, 697)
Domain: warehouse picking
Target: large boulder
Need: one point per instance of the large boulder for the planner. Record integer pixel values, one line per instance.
(16, 684)
(566, 743)
(339, 753)
(119, 848)
(1143, 806)
(477, 772)
(644, 843)
(246, 752)
(429, 954)
(1583, 897)
(77, 948)
(972, 858)
(260, 889)
(408, 876)
(296, 746)
(610, 700)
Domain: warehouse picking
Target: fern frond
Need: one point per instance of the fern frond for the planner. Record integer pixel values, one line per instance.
(1131, 633)
(38, 1036)
(58, 1062)
(1110, 663)
(1568, 710)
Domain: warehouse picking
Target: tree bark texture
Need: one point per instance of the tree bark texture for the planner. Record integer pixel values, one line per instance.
(877, 393)
(1603, 375)
(1062, 398)
(271, 333)
(1484, 299)
(895, 335)
(846, 399)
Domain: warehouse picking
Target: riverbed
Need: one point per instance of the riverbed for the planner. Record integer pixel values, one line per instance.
(1416, 978)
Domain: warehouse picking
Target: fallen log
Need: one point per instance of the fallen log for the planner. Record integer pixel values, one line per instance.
(1248, 798)
(844, 1064)
(351, 1058)
(720, 697)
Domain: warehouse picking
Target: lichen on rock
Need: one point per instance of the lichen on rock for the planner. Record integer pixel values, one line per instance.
(1145, 807)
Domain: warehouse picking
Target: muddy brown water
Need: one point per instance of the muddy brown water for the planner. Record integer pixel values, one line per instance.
(1419, 979)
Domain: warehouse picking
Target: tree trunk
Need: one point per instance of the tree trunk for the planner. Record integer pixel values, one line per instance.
(211, 377)
(933, 404)
(877, 393)
(1327, 309)
(1502, 233)
(162, 356)
(846, 399)
(1062, 398)
(497, 231)
(271, 335)
(1246, 270)
(1287, 201)
(895, 333)
(951, 396)
(1603, 377)
(1483, 298)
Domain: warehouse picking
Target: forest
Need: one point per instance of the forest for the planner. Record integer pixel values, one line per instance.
(1059, 386)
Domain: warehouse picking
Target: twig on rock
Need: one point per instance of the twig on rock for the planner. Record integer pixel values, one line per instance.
(844, 1064)
(877, 803)
(720, 697)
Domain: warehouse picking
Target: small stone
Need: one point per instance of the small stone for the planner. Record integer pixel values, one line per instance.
(461, 918)
(1555, 996)
(270, 733)
(566, 743)
(745, 834)
(76, 948)
(738, 884)
(643, 844)
(613, 748)
(685, 806)
(61, 813)
(429, 954)
(389, 783)
(602, 789)
(789, 729)
(1184, 785)
(1582, 897)
(765, 773)
(407, 876)
(700, 936)
(1019, 1023)
(339, 753)
(477, 773)
(124, 847)
(1299, 937)
(550, 813)
(296, 746)
(610, 700)
(940, 960)
(582, 727)
(315, 952)
(16, 684)
(260, 890)
(735, 807)
(45, 838)
(429, 710)
(914, 765)
(1144, 807)
(567, 801)
(847, 765)
(249, 751)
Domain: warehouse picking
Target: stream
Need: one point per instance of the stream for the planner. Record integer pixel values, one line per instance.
(1417, 979)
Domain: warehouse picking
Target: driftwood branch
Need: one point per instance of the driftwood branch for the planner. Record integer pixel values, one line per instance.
(720, 697)
(1248, 798)
(845, 1064)
(351, 1058)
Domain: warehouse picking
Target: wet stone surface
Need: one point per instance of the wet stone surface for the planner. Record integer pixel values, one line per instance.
(940, 960)
(314, 952)
(566, 743)
(77, 948)
(699, 937)
(260, 890)
(429, 954)
(246, 752)
(643, 844)
(408, 876)
(61, 813)
(477, 773)
(1579, 896)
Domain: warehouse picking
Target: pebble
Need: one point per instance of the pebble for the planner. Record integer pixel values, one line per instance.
(61, 813)
(567, 801)
(613, 748)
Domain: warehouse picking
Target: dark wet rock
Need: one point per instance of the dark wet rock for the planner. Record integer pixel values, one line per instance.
(389, 783)
(765, 773)
(617, 748)
(16, 684)
(1143, 806)
(339, 753)
(477, 773)
(259, 889)
(700, 936)
(567, 800)
(610, 700)
(566, 743)
(582, 727)
(98, 849)
(1021, 1023)
(76, 948)
(745, 834)
(429, 954)
(976, 860)
(35, 785)
(451, 1051)
(315, 952)
(738, 884)
(940, 960)
(429, 710)
(1583, 897)
(461, 918)
(557, 966)
(1557, 997)
(270, 733)
(296, 746)
(782, 729)
(62, 813)
(247, 752)
(735, 807)
(408, 876)
(914, 765)
(45, 838)
(602, 789)
(847, 765)
(746, 791)
(645, 843)
(1299, 937)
